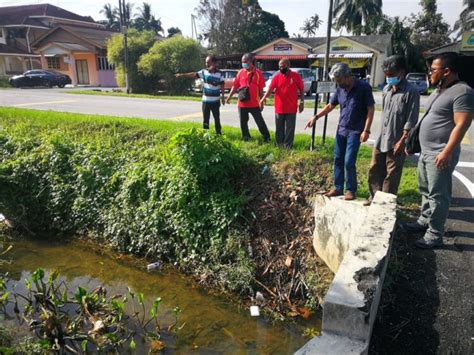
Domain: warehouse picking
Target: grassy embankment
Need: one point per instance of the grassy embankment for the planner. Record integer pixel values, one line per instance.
(169, 191)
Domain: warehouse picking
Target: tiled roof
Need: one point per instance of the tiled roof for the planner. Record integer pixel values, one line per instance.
(18, 15)
(94, 35)
(5, 49)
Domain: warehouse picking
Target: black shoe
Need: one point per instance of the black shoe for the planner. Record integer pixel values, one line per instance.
(413, 227)
(429, 242)
(266, 139)
(246, 138)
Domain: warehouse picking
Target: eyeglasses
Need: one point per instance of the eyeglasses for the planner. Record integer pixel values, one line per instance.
(432, 70)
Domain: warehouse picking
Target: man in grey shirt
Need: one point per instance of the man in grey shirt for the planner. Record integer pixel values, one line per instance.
(400, 109)
(450, 111)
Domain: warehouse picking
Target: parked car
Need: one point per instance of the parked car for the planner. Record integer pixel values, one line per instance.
(229, 76)
(306, 74)
(268, 74)
(40, 77)
(420, 81)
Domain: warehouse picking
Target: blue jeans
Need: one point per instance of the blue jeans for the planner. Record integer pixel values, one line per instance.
(345, 156)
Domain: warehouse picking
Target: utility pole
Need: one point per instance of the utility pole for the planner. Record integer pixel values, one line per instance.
(326, 63)
(123, 29)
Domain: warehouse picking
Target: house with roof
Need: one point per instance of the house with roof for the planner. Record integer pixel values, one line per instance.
(45, 36)
(364, 54)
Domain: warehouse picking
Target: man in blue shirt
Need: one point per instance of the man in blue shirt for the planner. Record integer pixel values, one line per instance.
(357, 112)
(212, 91)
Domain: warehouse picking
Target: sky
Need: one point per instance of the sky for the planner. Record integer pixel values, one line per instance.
(292, 12)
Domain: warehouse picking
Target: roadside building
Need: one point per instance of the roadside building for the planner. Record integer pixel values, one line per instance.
(45, 36)
(465, 48)
(364, 54)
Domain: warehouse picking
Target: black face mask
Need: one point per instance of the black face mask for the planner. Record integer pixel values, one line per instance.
(284, 70)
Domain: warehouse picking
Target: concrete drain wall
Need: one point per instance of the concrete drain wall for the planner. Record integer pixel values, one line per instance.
(354, 241)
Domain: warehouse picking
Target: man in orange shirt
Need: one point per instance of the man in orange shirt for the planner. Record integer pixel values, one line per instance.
(249, 82)
(286, 84)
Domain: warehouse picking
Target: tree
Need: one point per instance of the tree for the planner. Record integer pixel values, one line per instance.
(353, 15)
(112, 21)
(145, 21)
(466, 19)
(235, 26)
(429, 30)
(168, 57)
(263, 27)
(138, 44)
(174, 31)
(311, 25)
(223, 23)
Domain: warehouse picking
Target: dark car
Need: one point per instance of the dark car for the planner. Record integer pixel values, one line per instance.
(419, 81)
(40, 77)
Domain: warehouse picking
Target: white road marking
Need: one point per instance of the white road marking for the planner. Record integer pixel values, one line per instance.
(465, 164)
(465, 181)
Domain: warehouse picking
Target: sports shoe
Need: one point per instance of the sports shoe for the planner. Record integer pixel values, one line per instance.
(414, 227)
(333, 193)
(429, 241)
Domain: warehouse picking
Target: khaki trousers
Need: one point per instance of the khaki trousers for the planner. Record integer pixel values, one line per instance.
(385, 172)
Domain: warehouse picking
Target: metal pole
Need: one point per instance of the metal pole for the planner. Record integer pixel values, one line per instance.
(326, 63)
(123, 29)
(313, 131)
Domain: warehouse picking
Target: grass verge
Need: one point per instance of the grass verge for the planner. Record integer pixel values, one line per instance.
(237, 215)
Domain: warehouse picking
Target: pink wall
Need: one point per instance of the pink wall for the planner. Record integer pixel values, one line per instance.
(107, 78)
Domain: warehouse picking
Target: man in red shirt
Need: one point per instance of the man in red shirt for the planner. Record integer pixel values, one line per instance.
(287, 84)
(249, 79)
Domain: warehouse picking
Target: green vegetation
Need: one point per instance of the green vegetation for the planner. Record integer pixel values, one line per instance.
(166, 58)
(4, 82)
(89, 321)
(171, 191)
(152, 64)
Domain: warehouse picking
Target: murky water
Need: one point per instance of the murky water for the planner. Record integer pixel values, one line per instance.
(213, 323)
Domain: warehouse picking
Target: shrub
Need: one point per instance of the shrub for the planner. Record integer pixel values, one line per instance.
(175, 200)
(138, 44)
(174, 55)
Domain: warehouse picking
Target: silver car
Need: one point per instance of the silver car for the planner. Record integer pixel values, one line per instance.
(307, 75)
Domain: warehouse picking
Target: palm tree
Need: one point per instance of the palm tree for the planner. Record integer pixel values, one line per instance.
(146, 21)
(466, 19)
(112, 21)
(355, 14)
(311, 25)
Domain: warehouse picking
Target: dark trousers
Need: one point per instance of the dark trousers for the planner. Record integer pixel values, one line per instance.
(207, 108)
(385, 172)
(257, 115)
(285, 129)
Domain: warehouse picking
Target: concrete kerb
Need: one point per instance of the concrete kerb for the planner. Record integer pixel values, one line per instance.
(355, 243)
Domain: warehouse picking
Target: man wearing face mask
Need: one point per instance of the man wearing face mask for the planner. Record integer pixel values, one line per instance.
(357, 112)
(448, 115)
(400, 108)
(212, 91)
(286, 84)
(251, 81)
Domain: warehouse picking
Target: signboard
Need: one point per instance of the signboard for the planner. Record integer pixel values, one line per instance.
(467, 43)
(351, 62)
(341, 45)
(67, 59)
(282, 47)
(325, 87)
